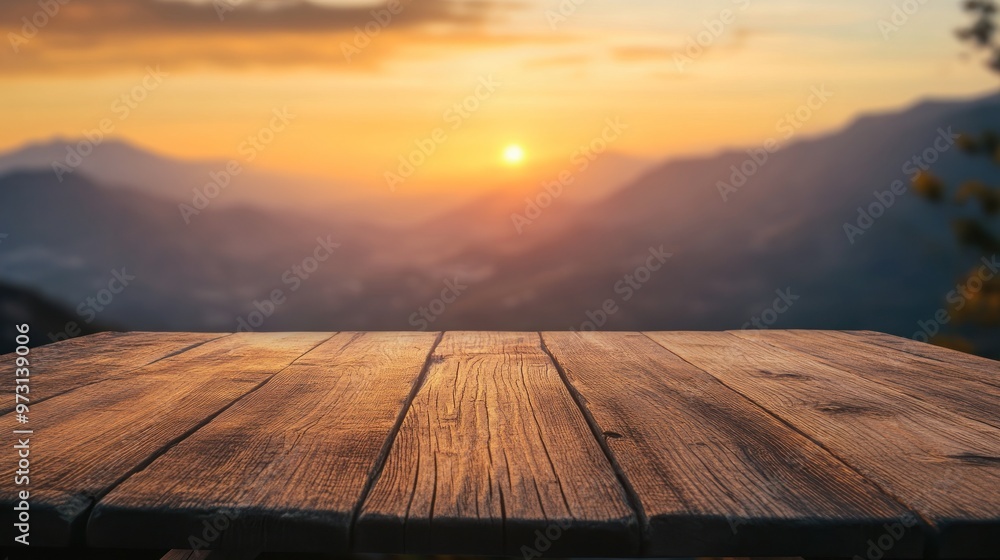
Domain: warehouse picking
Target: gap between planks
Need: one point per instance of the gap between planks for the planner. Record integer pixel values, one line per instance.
(704, 422)
(117, 374)
(789, 425)
(958, 361)
(116, 503)
(131, 370)
(948, 530)
(951, 387)
(631, 495)
(462, 502)
(383, 455)
(85, 517)
(419, 382)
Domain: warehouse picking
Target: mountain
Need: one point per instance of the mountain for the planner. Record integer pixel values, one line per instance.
(783, 229)
(117, 164)
(75, 242)
(69, 240)
(113, 163)
(501, 220)
(19, 306)
(785, 246)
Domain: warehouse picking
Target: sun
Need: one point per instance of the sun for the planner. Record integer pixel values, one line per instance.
(513, 154)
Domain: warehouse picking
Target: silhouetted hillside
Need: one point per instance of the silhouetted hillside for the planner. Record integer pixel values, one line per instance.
(19, 306)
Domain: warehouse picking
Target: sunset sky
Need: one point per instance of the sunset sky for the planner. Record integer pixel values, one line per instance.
(559, 76)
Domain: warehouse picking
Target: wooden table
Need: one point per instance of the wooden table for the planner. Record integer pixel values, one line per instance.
(750, 443)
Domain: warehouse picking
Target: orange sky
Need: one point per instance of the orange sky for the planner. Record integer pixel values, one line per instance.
(558, 77)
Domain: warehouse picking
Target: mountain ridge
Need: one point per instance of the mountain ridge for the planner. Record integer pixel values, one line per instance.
(783, 230)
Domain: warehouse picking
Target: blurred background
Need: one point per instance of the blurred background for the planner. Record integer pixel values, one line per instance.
(225, 165)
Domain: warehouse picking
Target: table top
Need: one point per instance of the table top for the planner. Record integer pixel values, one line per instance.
(613, 444)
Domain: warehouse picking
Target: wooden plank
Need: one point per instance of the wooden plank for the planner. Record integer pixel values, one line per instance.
(969, 366)
(185, 555)
(492, 450)
(191, 555)
(931, 381)
(938, 463)
(90, 439)
(178, 554)
(21, 552)
(64, 366)
(284, 468)
(716, 475)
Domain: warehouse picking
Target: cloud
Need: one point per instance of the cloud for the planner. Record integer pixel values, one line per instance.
(735, 41)
(125, 17)
(566, 60)
(96, 35)
(643, 53)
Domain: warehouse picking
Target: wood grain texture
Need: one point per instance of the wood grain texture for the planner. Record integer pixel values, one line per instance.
(284, 468)
(931, 381)
(743, 443)
(62, 367)
(715, 474)
(960, 364)
(936, 462)
(88, 440)
(492, 450)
